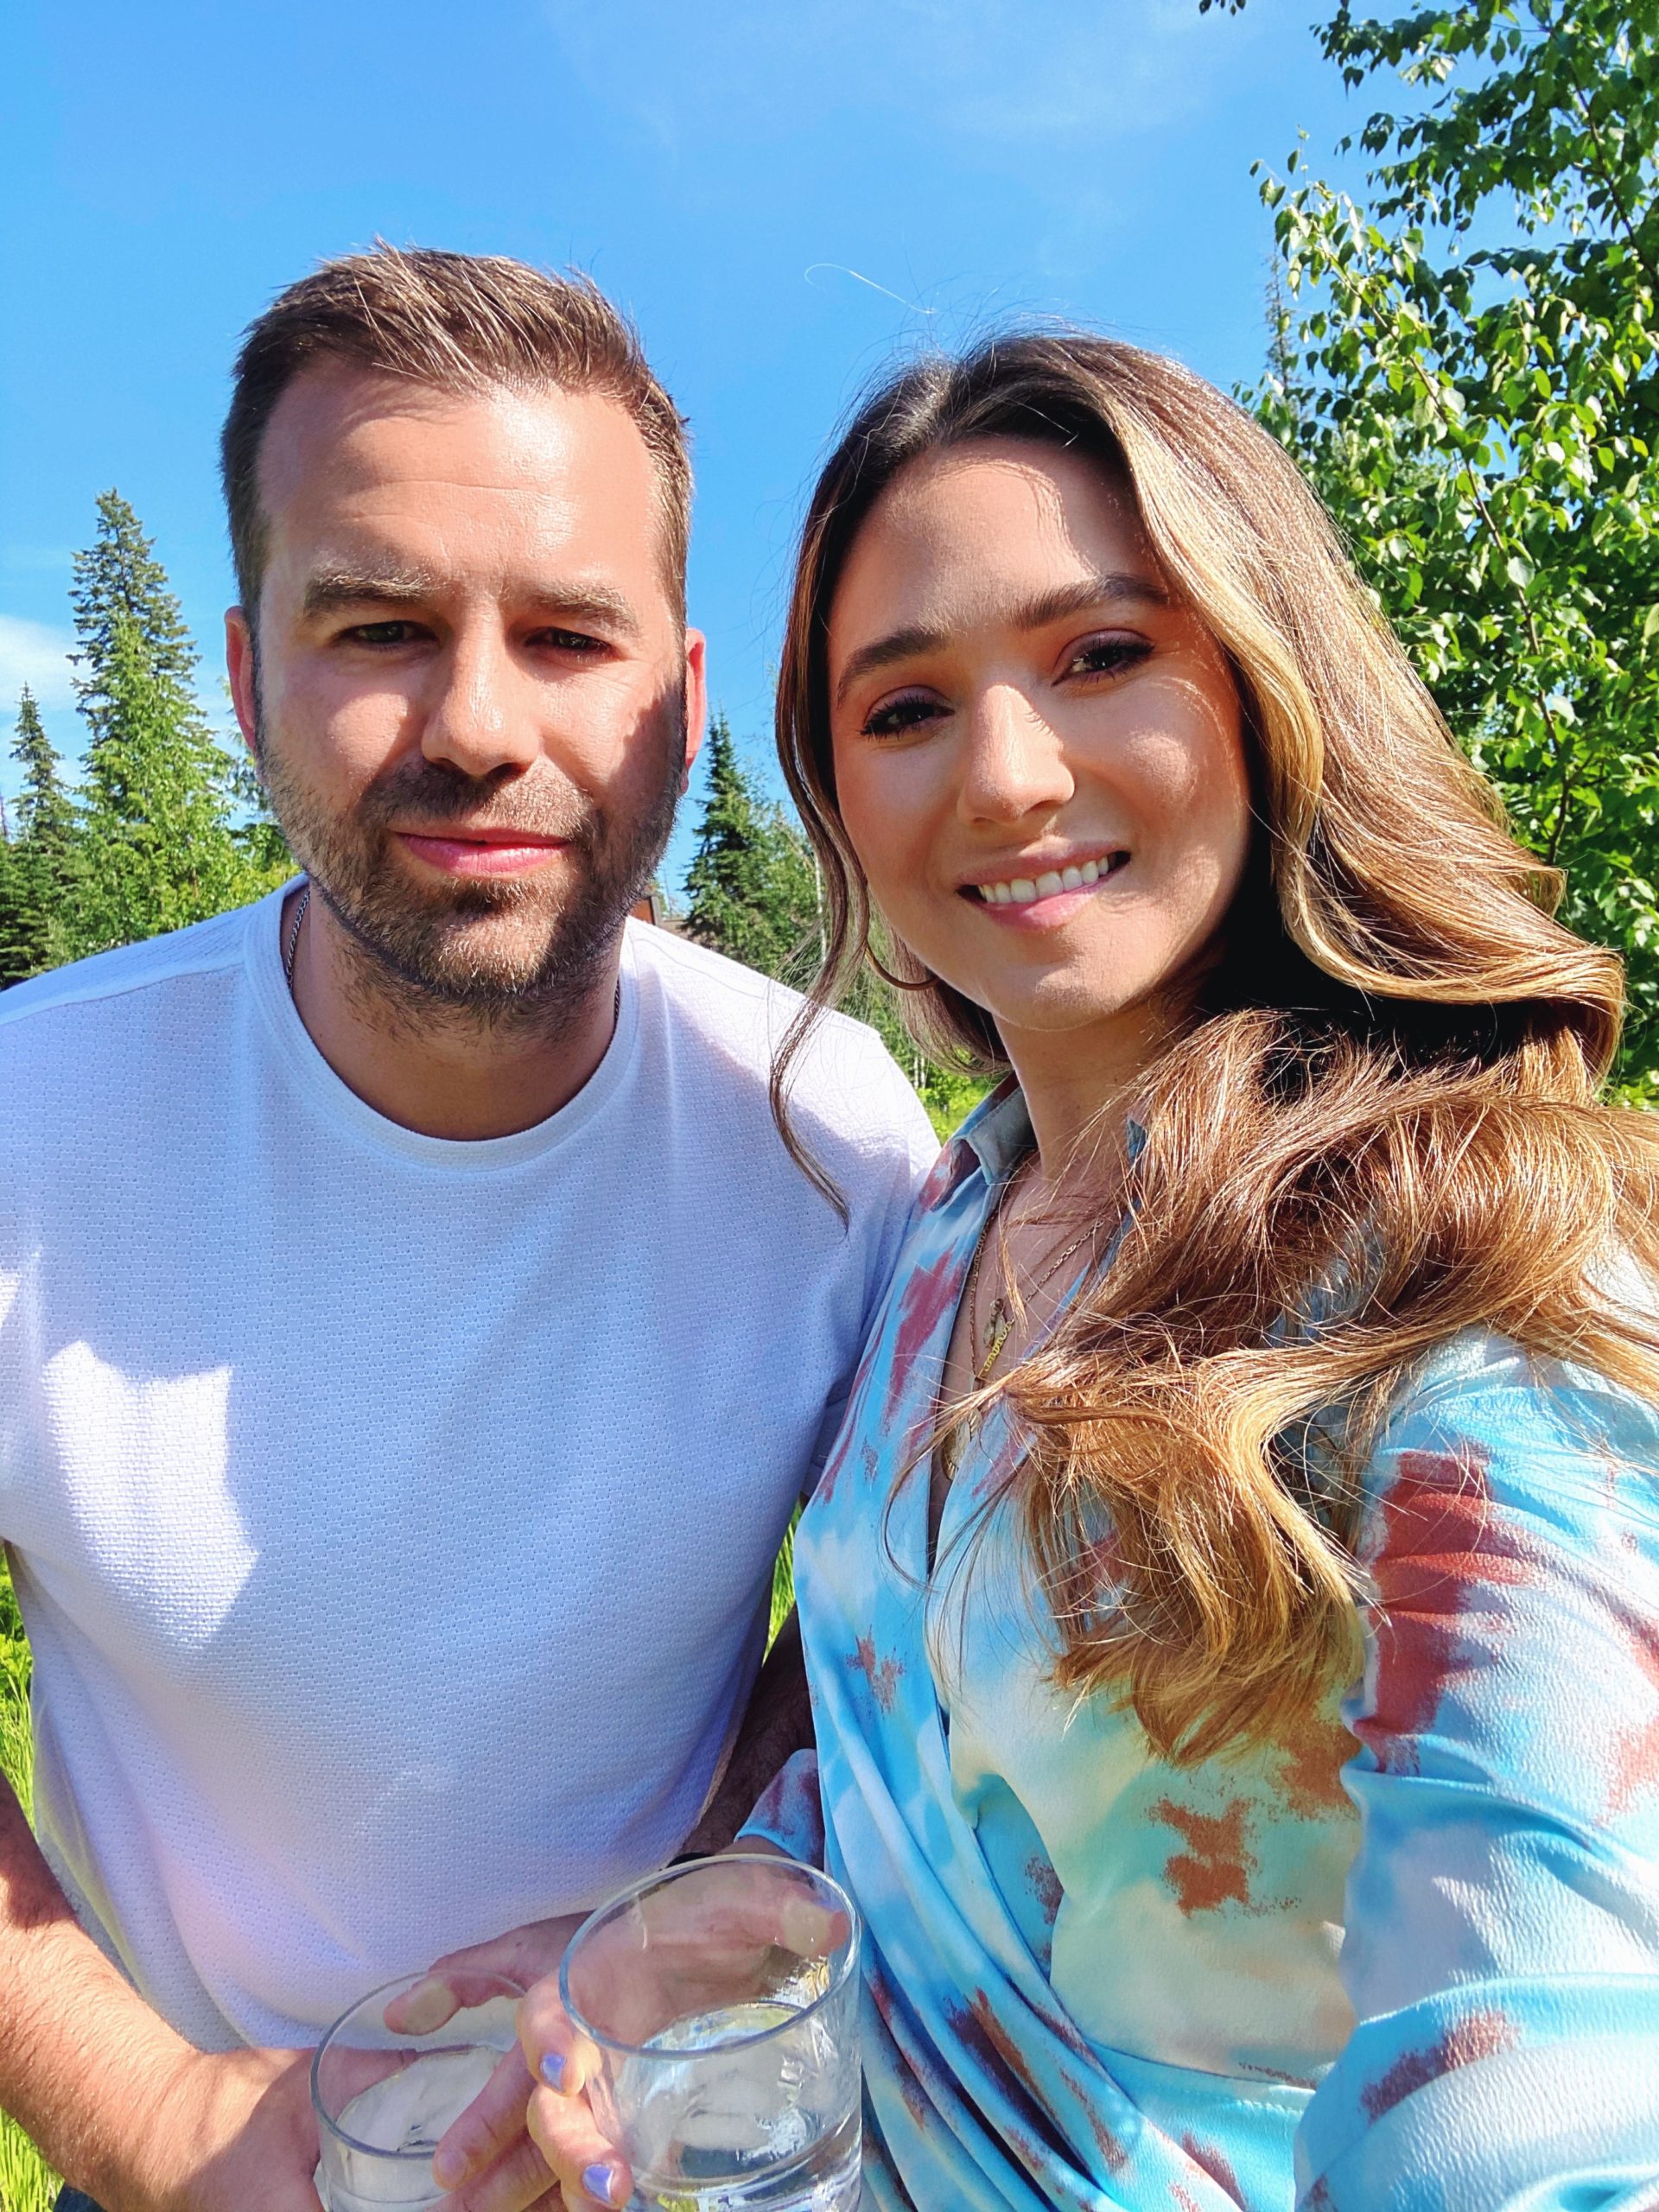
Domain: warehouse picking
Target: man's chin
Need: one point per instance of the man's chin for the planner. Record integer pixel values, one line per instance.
(490, 957)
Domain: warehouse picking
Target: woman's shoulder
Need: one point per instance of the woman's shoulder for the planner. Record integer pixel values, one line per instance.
(1558, 1443)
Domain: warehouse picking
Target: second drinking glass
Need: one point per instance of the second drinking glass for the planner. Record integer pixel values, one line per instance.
(721, 1999)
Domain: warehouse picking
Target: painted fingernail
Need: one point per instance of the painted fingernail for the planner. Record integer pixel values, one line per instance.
(600, 2180)
(448, 2167)
(553, 2070)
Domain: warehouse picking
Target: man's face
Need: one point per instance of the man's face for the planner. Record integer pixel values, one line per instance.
(472, 697)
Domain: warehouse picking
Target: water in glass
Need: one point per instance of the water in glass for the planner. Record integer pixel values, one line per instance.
(745, 2125)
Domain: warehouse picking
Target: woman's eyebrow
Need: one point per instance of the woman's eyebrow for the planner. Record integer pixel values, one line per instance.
(1035, 614)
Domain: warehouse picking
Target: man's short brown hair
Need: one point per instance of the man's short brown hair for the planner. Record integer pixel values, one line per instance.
(455, 322)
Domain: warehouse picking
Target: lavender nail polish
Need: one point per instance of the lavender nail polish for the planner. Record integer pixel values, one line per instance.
(600, 2180)
(553, 2070)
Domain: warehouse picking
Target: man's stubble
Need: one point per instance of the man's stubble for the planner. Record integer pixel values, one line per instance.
(416, 960)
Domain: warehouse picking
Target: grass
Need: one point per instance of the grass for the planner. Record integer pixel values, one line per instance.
(26, 2185)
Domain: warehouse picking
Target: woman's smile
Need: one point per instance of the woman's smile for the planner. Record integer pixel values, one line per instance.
(1044, 893)
(1029, 725)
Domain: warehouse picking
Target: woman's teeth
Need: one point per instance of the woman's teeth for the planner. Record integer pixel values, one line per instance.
(1024, 890)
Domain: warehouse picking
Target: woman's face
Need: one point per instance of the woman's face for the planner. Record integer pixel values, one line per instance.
(1038, 750)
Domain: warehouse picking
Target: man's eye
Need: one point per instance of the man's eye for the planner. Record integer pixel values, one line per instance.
(899, 717)
(567, 641)
(1106, 656)
(382, 633)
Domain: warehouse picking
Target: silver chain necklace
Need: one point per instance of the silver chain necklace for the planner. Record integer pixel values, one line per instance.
(294, 937)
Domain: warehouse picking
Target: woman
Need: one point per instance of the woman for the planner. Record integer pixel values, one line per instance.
(1232, 1607)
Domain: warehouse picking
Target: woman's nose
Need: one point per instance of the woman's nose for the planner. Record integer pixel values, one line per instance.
(1014, 763)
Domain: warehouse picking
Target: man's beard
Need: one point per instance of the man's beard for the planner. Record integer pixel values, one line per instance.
(509, 952)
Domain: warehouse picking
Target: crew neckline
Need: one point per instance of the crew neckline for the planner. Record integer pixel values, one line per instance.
(330, 1095)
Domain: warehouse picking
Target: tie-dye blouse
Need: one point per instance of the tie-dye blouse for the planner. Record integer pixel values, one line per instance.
(1406, 1958)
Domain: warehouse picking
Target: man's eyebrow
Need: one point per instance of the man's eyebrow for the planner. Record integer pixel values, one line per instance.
(1030, 614)
(337, 586)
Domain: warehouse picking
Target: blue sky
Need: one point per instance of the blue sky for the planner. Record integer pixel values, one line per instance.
(786, 194)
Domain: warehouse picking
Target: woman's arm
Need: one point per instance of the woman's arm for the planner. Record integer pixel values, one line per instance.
(1502, 1943)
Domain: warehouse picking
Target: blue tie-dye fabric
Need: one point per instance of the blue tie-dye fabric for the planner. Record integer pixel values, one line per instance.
(1404, 1960)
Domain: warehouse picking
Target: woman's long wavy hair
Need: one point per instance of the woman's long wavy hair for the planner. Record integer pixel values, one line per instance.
(1378, 1125)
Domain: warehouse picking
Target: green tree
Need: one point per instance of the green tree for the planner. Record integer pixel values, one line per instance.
(37, 889)
(754, 894)
(118, 575)
(14, 956)
(156, 835)
(1478, 415)
(751, 889)
(155, 823)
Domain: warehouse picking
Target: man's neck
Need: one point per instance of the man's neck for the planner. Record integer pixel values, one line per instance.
(443, 1072)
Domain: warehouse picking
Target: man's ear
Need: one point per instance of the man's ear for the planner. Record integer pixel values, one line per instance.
(238, 666)
(696, 699)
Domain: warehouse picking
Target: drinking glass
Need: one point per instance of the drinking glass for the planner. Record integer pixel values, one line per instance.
(721, 2001)
(383, 2099)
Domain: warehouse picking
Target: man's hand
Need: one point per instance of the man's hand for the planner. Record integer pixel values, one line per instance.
(231, 2130)
(485, 2156)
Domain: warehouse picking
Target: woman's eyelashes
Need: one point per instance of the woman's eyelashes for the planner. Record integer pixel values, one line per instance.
(1106, 656)
(1096, 657)
(899, 717)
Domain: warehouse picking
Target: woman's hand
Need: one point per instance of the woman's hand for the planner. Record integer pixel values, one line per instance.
(734, 1930)
(589, 2168)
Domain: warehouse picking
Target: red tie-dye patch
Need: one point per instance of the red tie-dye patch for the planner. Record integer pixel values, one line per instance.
(1216, 1867)
(1209, 2160)
(980, 2030)
(1313, 1750)
(930, 1294)
(1483, 2035)
(948, 1172)
(882, 1675)
(1447, 1553)
(1636, 1763)
(1044, 1885)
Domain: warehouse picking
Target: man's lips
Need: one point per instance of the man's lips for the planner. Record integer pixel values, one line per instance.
(480, 852)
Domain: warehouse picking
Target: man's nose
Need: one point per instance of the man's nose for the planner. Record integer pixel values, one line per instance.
(479, 720)
(1014, 764)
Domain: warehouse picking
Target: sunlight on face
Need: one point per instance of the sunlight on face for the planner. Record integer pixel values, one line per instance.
(1039, 751)
(472, 703)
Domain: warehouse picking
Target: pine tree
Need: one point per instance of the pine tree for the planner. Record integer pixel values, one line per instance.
(154, 817)
(156, 826)
(751, 888)
(37, 897)
(118, 575)
(13, 928)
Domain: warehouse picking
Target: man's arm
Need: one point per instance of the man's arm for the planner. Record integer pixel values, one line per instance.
(120, 2104)
(778, 1723)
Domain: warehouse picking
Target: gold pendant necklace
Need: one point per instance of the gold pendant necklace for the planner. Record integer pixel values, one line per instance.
(998, 1325)
(999, 1322)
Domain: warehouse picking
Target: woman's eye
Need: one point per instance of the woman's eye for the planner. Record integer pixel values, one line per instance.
(1106, 656)
(898, 717)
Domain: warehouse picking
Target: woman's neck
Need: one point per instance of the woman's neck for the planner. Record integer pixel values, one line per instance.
(1079, 1084)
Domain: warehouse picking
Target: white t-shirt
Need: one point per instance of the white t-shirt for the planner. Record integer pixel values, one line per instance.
(393, 1517)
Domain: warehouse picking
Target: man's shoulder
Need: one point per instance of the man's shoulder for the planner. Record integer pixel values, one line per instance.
(844, 1086)
(124, 976)
(748, 1011)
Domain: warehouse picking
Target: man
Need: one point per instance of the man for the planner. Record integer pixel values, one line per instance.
(413, 1332)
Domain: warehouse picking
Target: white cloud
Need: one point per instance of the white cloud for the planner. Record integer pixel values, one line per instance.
(36, 654)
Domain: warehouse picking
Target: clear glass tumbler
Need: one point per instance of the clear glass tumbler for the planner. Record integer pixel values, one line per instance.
(721, 2000)
(383, 2099)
